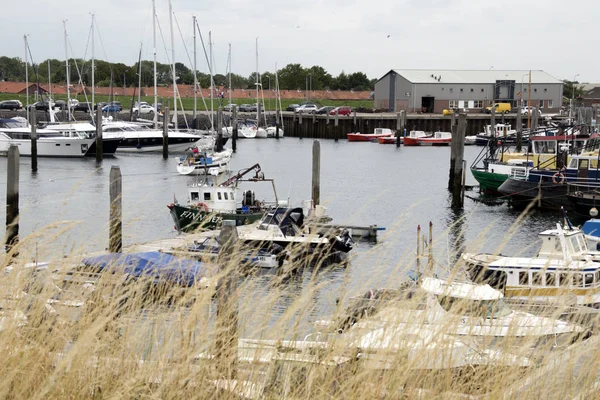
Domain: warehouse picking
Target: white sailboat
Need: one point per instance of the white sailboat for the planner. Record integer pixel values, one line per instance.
(260, 132)
(271, 130)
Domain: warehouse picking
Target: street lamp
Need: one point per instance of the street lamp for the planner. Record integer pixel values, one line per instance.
(572, 97)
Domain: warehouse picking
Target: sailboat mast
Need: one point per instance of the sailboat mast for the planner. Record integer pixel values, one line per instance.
(229, 73)
(195, 69)
(257, 83)
(93, 68)
(26, 77)
(140, 76)
(49, 81)
(67, 70)
(173, 58)
(155, 105)
(212, 86)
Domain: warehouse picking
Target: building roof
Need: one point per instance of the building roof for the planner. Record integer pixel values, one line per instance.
(473, 76)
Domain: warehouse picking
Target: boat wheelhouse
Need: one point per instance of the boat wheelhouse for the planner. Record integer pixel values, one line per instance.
(413, 138)
(564, 269)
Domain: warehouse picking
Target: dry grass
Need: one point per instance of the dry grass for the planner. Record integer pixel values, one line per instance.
(69, 333)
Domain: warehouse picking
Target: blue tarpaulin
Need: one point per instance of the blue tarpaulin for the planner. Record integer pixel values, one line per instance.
(151, 264)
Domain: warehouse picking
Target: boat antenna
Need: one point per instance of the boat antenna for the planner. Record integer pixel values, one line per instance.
(568, 222)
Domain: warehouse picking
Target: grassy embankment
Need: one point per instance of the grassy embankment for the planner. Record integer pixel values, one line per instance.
(188, 103)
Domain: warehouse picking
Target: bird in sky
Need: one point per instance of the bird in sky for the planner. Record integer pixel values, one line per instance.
(388, 36)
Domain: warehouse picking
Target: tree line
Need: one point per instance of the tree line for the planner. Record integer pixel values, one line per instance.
(291, 77)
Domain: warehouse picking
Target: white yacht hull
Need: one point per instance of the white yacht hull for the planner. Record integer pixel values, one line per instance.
(49, 147)
(246, 133)
(261, 133)
(179, 147)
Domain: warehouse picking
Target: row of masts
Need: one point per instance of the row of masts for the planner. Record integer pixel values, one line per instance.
(210, 60)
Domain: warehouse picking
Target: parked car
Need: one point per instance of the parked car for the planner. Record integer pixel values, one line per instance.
(82, 106)
(144, 109)
(60, 104)
(342, 110)
(528, 109)
(10, 105)
(292, 107)
(307, 108)
(111, 107)
(244, 107)
(100, 105)
(39, 106)
(229, 107)
(325, 109)
(117, 104)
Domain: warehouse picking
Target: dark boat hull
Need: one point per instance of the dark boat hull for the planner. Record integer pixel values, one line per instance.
(522, 192)
(189, 219)
(109, 147)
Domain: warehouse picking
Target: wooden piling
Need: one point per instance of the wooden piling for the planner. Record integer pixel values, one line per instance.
(277, 123)
(227, 302)
(115, 235)
(336, 123)
(398, 129)
(12, 200)
(316, 173)
(165, 149)
(354, 121)
(456, 160)
(33, 123)
(418, 266)
(99, 149)
(493, 117)
(234, 130)
(519, 123)
(534, 122)
(219, 144)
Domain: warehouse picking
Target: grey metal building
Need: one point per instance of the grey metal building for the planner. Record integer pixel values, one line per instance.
(432, 91)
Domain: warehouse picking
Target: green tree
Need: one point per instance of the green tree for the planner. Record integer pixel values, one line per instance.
(572, 89)
(292, 77)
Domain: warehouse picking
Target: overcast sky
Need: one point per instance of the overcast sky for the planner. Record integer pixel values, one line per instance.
(560, 37)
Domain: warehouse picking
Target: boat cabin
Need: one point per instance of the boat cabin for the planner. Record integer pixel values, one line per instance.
(417, 134)
(383, 131)
(212, 198)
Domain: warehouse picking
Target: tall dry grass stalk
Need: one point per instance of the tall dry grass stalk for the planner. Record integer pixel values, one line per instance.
(69, 332)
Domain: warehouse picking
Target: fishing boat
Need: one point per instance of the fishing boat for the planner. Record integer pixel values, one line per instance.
(209, 204)
(413, 138)
(201, 161)
(496, 132)
(563, 270)
(438, 139)
(367, 137)
(284, 226)
(388, 140)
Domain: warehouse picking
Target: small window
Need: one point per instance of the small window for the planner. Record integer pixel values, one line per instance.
(564, 279)
(545, 90)
(578, 280)
(541, 104)
(482, 90)
(225, 194)
(523, 278)
(589, 280)
(536, 279)
(550, 104)
(219, 195)
(207, 196)
(472, 90)
(597, 276)
(535, 90)
(550, 279)
(231, 196)
(442, 89)
(451, 90)
(461, 90)
(194, 196)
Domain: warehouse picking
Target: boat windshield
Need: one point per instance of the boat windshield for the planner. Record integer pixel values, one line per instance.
(13, 124)
(474, 308)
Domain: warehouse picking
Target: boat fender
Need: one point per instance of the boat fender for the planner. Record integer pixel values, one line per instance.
(203, 206)
(558, 178)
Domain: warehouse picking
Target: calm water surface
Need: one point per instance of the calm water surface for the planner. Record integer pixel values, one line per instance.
(361, 184)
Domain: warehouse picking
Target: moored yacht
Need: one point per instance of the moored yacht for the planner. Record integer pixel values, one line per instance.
(138, 138)
(563, 268)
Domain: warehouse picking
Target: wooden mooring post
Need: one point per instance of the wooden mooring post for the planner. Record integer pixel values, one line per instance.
(336, 123)
(99, 149)
(234, 130)
(227, 302)
(115, 234)
(277, 123)
(456, 160)
(316, 173)
(12, 200)
(165, 133)
(354, 127)
(493, 118)
(519, 123)
(219, 144)
(33, 123)
(300, 125)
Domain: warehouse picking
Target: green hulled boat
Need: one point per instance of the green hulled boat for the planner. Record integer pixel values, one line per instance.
(209, 204)
(194, 218)
(489, 182)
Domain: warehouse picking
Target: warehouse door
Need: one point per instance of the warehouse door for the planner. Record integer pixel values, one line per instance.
(427, 104)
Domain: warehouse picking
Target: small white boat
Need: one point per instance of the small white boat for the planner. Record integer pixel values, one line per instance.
(271, 132)
(204, 163)
(246, 131)
(470, 140)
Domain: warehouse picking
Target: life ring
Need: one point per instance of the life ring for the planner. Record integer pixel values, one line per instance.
(202, 206)
(558, 178)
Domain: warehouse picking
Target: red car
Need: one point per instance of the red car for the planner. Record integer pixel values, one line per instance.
(342, 110)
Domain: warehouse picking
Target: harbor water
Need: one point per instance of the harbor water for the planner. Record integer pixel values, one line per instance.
(65, 205)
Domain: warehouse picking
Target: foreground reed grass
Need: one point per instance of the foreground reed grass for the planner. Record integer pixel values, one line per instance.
(68, 332)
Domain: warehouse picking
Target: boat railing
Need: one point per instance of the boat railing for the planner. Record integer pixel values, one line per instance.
(579, 189)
